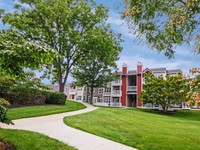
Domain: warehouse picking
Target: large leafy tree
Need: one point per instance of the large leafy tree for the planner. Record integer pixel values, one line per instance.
(96, 70)
(165, 24)
(163, 91)
(61, 25)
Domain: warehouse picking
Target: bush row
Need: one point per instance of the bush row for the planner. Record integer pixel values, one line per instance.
(23, 95)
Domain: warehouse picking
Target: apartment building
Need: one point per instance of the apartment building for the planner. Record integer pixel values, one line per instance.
(122, 92)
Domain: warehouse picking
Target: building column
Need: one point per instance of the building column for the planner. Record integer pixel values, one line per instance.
(139, 83)
(124, 86)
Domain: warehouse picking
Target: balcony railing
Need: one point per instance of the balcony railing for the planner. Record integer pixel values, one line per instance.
(107, 93)
(116, 93)
(117, 82)
(112, 104)
(72, 91)
(132, 88)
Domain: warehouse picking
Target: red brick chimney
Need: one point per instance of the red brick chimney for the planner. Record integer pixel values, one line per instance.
(124, 69)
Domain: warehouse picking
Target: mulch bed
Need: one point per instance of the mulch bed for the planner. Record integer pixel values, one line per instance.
(6, 146)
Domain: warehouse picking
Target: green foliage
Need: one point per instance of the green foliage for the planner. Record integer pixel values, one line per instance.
(6, 84)
(65, 26)
(56, 98)
(165, 24)
(3, 109)
(17, 53)
(30, 81)
(163, 91)
(24, 95)
(26, 91)
(97, 68)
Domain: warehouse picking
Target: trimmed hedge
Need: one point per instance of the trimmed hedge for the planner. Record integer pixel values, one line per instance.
(24, 95)
(56, 98)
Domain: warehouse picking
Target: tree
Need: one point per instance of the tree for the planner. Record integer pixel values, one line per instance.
(96, 70)
(165, 24)
(163, 91)
(18, 53)
(62, 25)
(192, 89)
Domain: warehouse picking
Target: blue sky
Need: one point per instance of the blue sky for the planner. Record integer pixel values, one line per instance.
(133, 51)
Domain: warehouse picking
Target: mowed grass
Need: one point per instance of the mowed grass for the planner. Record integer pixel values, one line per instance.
(33, 111)
(142, 129)
(26, 140)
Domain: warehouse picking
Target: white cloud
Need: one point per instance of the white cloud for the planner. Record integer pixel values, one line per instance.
(120, 25)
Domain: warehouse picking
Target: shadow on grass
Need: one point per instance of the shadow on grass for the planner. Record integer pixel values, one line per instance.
(181, 114)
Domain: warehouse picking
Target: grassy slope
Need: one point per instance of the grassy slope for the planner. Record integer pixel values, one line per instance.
(26, 140)
(143, 129)
(33, 111)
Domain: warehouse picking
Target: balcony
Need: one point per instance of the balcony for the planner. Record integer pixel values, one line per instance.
(107, 93)
(132, 88)
(116, 93)
(116, 83)
(72, 91)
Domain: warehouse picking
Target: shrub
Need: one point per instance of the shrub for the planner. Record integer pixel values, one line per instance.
(3, 115)
(24, 95)
(56, 98)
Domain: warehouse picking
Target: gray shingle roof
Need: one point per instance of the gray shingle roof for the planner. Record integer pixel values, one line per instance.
(174, 71)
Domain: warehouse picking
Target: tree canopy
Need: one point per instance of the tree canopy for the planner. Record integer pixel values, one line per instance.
(61, 25)
(163, 91)
(98, 67)
(165, 24)
(18, 53)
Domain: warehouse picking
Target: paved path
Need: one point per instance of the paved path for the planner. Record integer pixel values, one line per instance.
(54, 127)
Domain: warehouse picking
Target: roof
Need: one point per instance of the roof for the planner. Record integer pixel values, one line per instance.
(158, 69)
(132, 72)
(174, 71)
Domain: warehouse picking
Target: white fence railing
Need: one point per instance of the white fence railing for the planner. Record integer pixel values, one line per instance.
(132, 88)
(112, 104)
(117, 82)
(116, 93)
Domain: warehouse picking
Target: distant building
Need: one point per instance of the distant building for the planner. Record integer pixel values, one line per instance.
(122, 92)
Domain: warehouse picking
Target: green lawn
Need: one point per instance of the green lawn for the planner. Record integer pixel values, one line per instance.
(142, 129)
(26, 140)
(33, 111)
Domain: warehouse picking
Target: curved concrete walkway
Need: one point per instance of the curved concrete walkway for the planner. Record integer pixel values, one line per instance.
(54, 127)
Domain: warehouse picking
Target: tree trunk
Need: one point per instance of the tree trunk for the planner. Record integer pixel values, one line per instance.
(61, 87)
(91, 95)
(62, 84)
(164, 107)
(87, 94)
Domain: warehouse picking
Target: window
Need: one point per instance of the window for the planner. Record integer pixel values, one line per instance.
(100, 91)
(79, 98)
(85, 89)
(107, 99)
(79, 88)
(107, 90)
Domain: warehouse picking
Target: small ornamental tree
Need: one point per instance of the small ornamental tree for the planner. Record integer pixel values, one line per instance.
(162, 91)
(193, 90)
